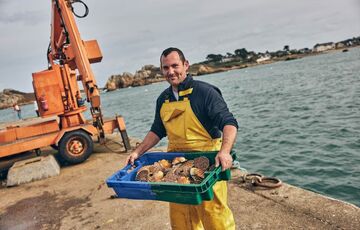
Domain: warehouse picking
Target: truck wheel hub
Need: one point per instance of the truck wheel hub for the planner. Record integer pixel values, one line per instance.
(75, 147)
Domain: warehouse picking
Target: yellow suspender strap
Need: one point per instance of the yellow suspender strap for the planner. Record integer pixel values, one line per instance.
(185, 92)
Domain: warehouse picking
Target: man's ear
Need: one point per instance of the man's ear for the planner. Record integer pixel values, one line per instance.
(187, 65)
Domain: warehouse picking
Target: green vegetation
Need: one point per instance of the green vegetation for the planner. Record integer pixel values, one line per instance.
(241, 57)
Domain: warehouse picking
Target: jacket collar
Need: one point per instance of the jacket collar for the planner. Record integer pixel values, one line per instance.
(186, 84)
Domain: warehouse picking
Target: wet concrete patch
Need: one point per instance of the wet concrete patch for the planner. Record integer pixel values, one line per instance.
(41, 212)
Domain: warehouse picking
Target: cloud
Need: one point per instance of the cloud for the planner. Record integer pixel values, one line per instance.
(26, 18)
(22, 12)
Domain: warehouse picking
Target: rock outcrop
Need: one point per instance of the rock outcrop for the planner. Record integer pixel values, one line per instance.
(197, 70)
(147, 75)
(9, 96)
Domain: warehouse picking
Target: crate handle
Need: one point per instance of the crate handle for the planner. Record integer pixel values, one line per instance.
(217, 173)
(126, 171)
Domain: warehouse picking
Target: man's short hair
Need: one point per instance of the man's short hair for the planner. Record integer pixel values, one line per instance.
(167, 51)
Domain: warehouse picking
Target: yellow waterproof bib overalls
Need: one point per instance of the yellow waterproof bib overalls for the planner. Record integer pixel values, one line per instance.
(186, 133)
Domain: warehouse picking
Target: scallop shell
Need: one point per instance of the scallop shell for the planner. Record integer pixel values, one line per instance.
(202, 163)
(197, 172)
(165, 164)
(156, 177)
(183, 180)
(143, 173)
(170, 176)
(178, 160)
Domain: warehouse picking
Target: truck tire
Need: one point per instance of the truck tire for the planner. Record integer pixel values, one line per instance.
(75, 147)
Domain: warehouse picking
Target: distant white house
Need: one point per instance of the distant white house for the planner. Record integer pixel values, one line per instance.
(323, 47)
(304, 50)
(343, 44)
(227, 59)
(339, 45)
(263, 58)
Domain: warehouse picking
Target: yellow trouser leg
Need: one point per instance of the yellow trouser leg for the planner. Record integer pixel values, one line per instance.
(184, 217)
(214, 214)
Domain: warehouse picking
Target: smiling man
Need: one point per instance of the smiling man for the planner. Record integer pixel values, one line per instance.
(194, 117)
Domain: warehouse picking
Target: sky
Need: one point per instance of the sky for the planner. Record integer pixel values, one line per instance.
(133, 33)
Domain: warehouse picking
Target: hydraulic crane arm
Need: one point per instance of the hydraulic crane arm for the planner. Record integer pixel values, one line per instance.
(67, 47)
(68, 50)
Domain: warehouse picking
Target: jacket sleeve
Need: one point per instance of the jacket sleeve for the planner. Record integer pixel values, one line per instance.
(158, 127)
(217, 109)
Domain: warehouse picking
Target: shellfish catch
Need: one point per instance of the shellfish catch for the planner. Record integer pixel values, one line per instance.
(179, 170)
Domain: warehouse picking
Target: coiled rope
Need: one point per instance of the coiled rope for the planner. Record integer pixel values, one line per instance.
(257, 179)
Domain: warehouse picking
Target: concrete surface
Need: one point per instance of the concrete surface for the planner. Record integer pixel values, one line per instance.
(32, 169)
(288, 207)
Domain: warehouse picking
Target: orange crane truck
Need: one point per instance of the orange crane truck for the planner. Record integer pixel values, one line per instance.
(62, 124)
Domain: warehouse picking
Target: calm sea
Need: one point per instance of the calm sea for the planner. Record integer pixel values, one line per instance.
(299, 120)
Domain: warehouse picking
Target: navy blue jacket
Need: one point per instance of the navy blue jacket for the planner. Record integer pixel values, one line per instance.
(206, 102)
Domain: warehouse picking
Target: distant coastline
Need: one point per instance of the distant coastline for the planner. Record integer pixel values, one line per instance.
(214, 63)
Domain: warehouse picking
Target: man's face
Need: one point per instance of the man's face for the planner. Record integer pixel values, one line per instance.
(173, 69)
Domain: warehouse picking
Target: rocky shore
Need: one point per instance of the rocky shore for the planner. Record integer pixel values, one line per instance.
(10, 96)
(218, 63)
(147, 75)
(151, 74)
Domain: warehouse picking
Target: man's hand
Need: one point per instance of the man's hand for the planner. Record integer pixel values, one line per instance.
(224, 159)
(150, 140)
(132, 157)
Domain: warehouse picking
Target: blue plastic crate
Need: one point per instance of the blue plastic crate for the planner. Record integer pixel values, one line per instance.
(124, 184)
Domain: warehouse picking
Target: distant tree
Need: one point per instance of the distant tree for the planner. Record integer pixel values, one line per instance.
(214, 57)
(286, 48)
(229, 54)
(294, 51)
(242, 53)
(281, 53)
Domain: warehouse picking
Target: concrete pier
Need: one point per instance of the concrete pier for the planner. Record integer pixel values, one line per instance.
(79, 199)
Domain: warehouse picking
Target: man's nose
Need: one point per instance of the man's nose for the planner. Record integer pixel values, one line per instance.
(171, 71)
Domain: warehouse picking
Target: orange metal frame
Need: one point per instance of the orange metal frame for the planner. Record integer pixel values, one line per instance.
(17, 139)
